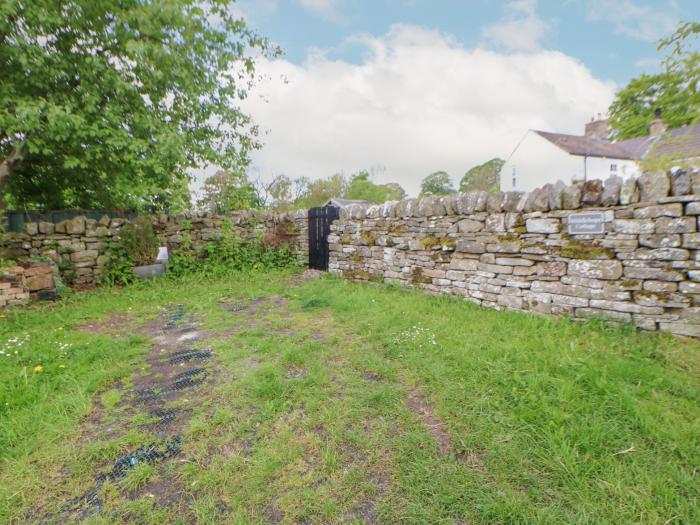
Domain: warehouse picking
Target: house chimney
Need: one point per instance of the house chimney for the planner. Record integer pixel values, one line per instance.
(598, 128)
(658, 126)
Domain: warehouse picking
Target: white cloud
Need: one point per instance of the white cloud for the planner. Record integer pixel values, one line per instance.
(521, 29)
(637, 20)
(417, 103)
(325, 8)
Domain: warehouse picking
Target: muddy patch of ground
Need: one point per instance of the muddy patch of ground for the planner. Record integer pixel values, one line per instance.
(176, 371)
(420, 406)
(254, 314)
(295, 372)
(114, 324)
(372, 377)
(254, 306)
(436, 426)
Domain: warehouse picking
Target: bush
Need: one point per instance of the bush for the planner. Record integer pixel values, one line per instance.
(140, 241)
(229, 254)
(119, 268)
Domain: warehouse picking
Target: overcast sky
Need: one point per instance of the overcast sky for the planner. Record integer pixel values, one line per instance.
(408, 87)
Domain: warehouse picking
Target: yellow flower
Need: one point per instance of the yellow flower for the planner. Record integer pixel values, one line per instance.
(61, 366)
(38, 368)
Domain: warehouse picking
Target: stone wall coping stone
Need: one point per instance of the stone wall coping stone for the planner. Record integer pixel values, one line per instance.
(679, 198)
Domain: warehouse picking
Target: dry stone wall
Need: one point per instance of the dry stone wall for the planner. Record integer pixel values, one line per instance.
(29, 281)
(513, 250)
(80, 247)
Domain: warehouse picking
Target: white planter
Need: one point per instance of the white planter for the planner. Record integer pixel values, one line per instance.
(150, 271)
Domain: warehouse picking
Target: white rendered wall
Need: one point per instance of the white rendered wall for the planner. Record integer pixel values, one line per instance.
(601, 168)
(537, 162)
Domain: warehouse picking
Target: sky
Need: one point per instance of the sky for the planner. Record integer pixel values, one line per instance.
(404, 88)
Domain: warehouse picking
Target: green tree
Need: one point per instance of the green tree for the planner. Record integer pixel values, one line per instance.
(318, 192)
(676, 90)
(362, 188)
(483, 177)
(438, 183)
(394, 191)
(280, 192)
(108, 103)
(226, 191)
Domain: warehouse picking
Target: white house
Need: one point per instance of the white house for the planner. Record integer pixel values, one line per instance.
(543, 157)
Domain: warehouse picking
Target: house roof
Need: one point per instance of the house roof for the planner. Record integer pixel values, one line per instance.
(586, 146)
(683, 142)
(344, 203)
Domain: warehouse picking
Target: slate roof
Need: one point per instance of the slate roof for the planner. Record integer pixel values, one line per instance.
(586, 146)
(683, 142)
(344, 203)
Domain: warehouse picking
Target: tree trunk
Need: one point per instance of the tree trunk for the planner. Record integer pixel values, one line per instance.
(5, 173)
(7, 167)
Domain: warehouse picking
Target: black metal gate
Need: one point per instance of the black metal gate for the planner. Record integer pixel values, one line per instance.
(320, 220)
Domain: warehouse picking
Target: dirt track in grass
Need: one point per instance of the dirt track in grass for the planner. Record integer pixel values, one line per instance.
(176, 374)
(291, 401)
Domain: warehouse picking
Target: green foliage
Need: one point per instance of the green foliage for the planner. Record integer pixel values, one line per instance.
(318, 192)
(139, 240)
(438, 183)
(483, 177)
(228, 191)
(362, 188)
(634, 106)
(119, 267)
(137, 246)
(300, 193)
(230, 253)
(108, 103)
(676, 90)
(394, 191)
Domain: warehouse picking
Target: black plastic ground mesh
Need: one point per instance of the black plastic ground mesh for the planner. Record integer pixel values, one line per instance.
(189, 378)
(89, 503)
(146, 454)
(189, 355)
(186, 379)
(163, 417)
(174, 314)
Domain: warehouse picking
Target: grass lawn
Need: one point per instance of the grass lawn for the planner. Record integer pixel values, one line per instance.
(324, 401)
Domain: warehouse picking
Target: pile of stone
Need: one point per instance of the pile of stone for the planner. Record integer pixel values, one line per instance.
(27, 281)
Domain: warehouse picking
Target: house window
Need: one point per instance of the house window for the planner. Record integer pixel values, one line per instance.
(613, 168)
(513, 177)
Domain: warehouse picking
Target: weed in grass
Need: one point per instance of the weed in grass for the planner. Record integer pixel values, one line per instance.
(111, 398)
(138, 476)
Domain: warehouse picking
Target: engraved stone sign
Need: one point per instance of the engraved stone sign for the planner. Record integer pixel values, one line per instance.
(588, 223)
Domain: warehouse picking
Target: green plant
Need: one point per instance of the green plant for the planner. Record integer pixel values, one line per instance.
(134, 146)
(140, 241)
(230, 253)
(119, 267)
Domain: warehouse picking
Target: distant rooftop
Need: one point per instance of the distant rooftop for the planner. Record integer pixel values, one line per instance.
(344, 203)
(683, 141)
